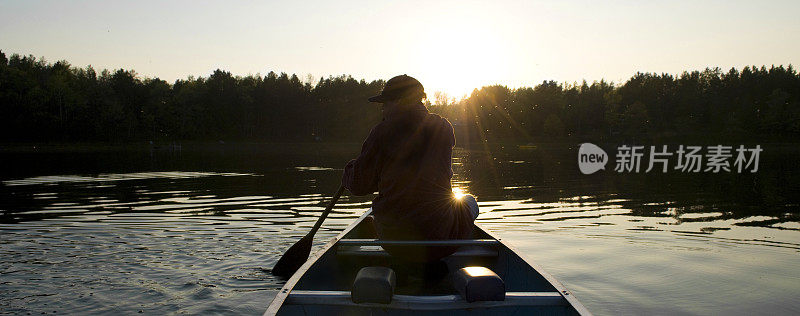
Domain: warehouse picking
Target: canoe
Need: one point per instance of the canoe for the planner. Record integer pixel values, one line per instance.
(323, 285)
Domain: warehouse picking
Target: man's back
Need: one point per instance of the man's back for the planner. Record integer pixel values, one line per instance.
(415, 180)
(407, 159)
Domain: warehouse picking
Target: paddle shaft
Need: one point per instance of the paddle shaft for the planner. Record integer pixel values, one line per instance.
(326, 212)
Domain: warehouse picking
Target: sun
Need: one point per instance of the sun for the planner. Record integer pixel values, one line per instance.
(455, 59)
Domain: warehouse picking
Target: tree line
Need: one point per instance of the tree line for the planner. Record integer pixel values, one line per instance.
(753, 104)
(55, 102)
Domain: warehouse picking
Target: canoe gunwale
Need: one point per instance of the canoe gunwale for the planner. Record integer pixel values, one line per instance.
(279, 299)
(557, 284)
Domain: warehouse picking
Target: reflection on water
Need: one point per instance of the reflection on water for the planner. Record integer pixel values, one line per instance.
(150, 239)
(171, 242)
(52, 180)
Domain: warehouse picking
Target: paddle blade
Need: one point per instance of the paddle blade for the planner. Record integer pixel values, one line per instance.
(293, 258)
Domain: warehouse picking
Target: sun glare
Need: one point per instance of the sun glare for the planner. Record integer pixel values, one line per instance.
(459, 58)
(458, 193)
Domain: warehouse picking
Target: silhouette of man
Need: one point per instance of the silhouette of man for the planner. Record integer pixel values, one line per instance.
(407, 159)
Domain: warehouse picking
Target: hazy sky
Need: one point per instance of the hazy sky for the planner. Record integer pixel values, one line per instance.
(453, 46)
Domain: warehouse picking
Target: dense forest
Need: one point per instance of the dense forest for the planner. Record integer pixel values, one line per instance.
(57, 102)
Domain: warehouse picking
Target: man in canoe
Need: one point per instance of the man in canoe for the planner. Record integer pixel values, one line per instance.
(407, 159)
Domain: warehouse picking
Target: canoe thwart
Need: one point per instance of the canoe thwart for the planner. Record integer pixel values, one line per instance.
(478, 284)
(374, 285)
(444, 243)
(377, 251)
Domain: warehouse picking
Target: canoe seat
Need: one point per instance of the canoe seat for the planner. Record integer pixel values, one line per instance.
(374, 285)
(479, 284)
(377, 251)
(426, 302)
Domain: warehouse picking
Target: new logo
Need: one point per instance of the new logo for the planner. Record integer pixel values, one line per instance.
(591, 158)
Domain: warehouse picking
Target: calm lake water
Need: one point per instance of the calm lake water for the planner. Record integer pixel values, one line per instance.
(100, 230)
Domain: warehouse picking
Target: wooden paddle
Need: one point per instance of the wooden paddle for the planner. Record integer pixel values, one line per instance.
(298, 253)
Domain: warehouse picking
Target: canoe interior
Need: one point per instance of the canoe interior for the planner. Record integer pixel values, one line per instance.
(336, 267)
